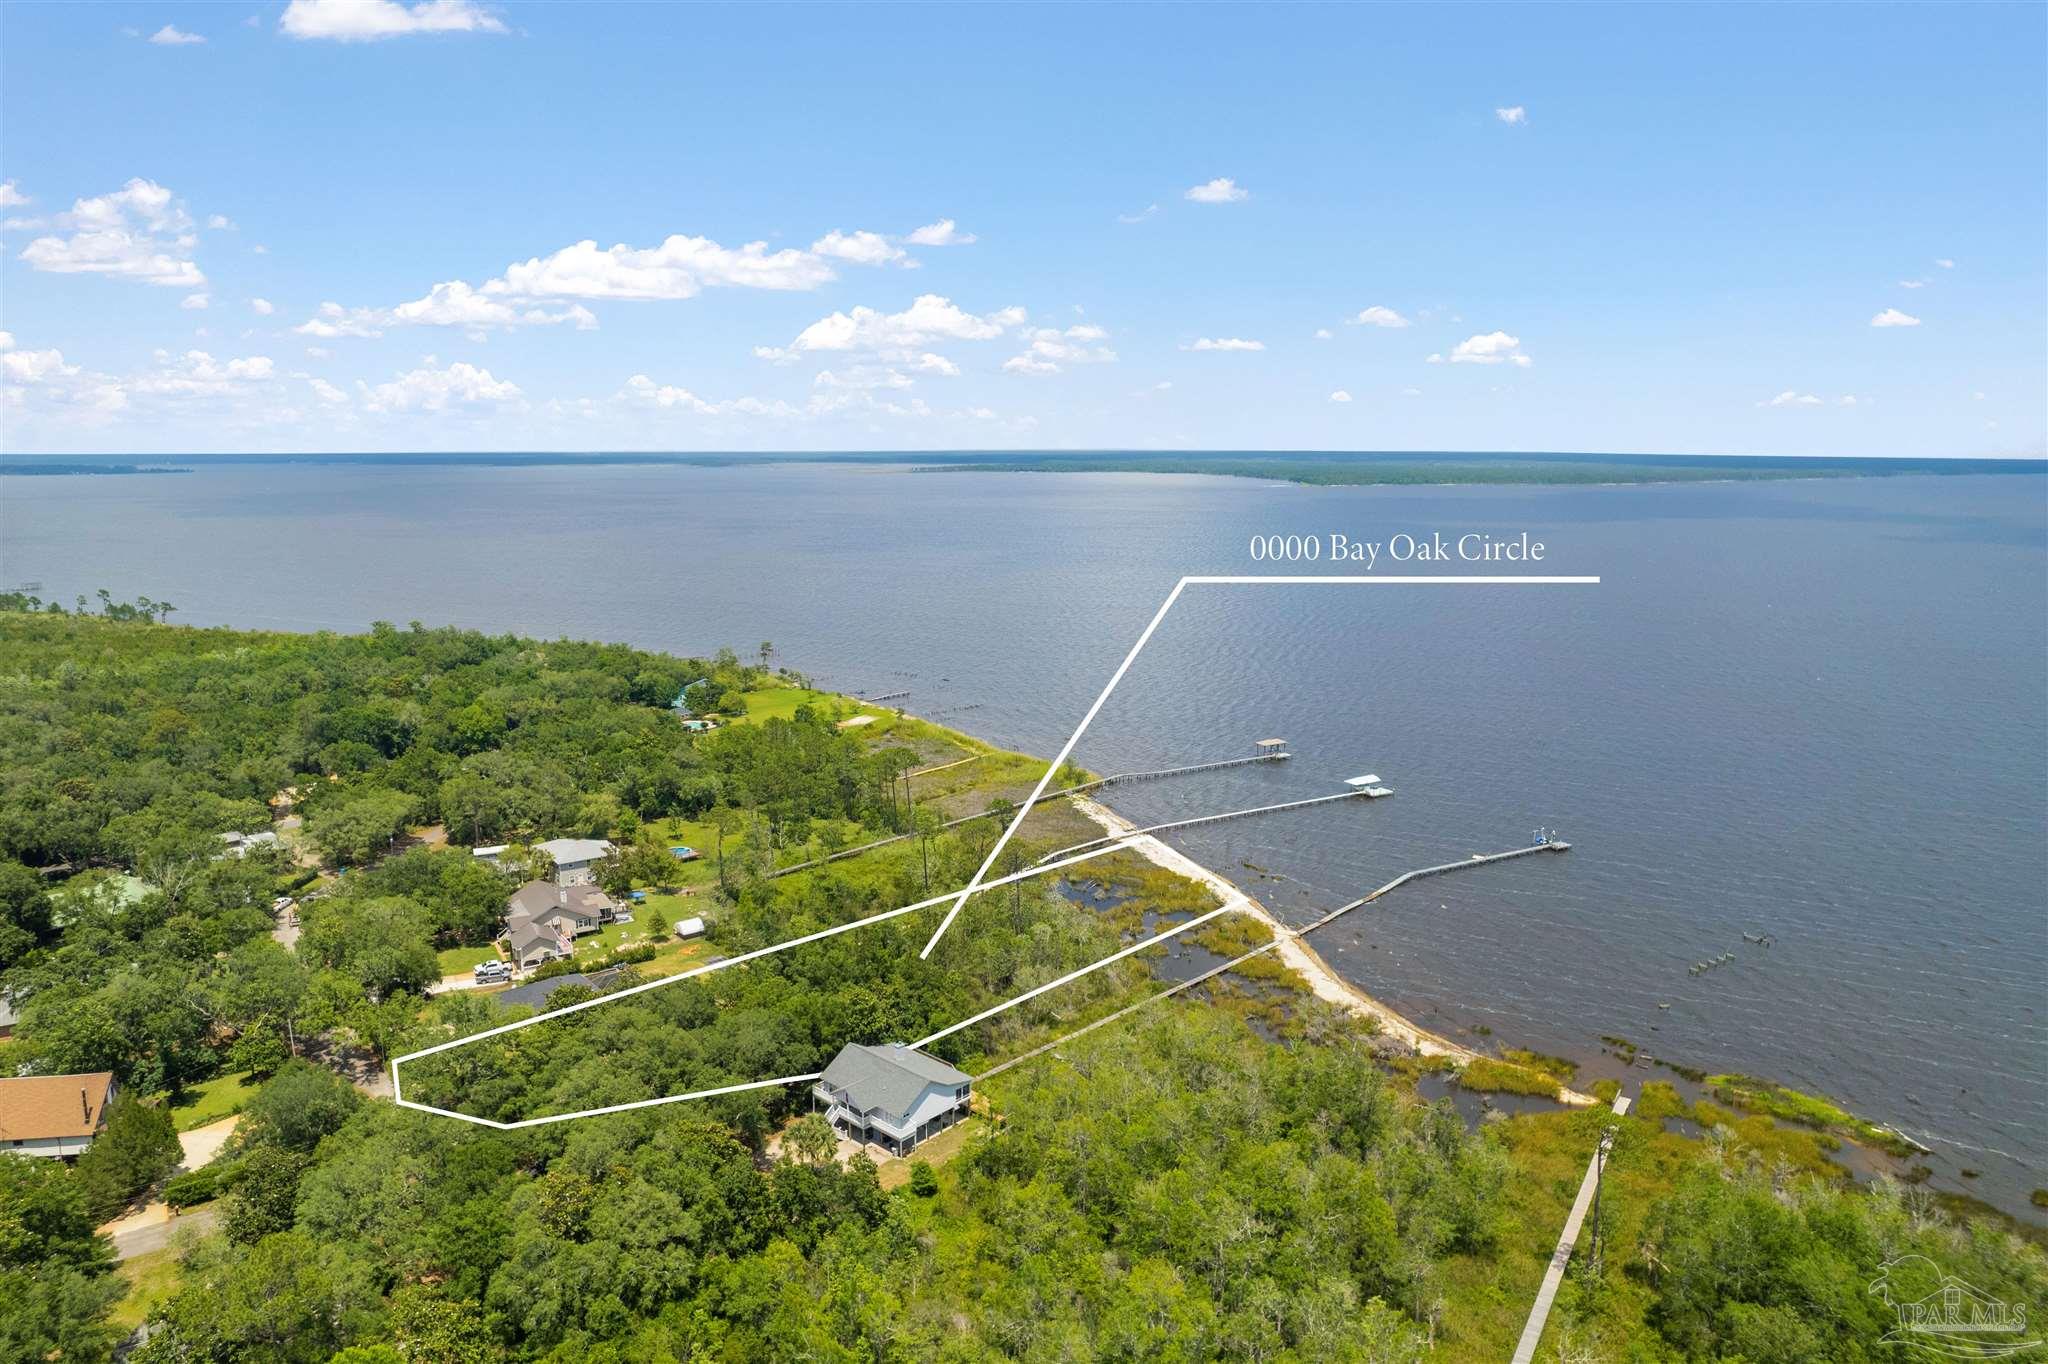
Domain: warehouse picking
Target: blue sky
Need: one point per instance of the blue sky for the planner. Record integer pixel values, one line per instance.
(1582, 228)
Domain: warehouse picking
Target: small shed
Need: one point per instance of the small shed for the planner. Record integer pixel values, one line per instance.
(692, 927)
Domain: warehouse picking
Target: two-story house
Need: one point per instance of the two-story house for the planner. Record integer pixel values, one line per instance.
(891, 1096)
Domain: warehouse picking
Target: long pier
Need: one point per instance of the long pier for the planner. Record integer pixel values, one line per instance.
(1476, 860)
(1368, 793)
(1284, 935)
(1081, 789)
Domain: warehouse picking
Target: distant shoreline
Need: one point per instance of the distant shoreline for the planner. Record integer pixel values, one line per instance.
(1306, 468)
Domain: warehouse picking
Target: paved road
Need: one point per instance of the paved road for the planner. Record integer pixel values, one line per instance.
(140, 1237)
(202, 1144)
(465, 981)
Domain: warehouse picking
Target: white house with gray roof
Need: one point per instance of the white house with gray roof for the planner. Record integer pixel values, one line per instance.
(892, 1096)
(574, 856)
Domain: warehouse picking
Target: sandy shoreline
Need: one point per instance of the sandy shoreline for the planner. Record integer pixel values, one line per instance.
(1298, 955)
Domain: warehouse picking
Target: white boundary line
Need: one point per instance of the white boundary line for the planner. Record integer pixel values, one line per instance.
(1411, 580)
(743, 958)
(1235, 902)
(958, 898)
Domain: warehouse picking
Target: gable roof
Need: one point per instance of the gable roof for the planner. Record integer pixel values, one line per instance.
(574, 849)
(527, 934)
(536, 993)
(40, 1107)
(542, 899)
(889, 1078)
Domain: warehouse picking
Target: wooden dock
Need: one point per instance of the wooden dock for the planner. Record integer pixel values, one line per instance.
(1062, 793)
(1476, 860)
(1359, 794)
(1284, 935)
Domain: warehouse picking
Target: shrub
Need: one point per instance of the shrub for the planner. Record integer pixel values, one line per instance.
(1485, 1074)
(924, 1180)
(193, 1187)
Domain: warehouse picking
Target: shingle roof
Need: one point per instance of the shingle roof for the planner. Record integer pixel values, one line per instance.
(574, 849)
(536, 993)
(888, 1078)
(540, 899)
(40, 1107)
(526, 933)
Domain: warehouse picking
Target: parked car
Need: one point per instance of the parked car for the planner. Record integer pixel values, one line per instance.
(622, 917)
(281, 904)
(492, 973)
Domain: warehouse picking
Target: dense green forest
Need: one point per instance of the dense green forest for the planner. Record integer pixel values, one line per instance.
(1241, 1175)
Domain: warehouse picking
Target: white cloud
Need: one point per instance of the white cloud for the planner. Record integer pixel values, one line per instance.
(872, 404)
(326, 392)
(354, 21)
(196, 374)
(1162, 385)
(220, 222)
(1224, 343)
(195, 301)
(334, 320)
(937, 364)
(1221, 190)
(1513, 114)
(44, 379)
(941, 233)
(432, 389)
(1491, 348)
(453, 304)
(1377, 316)
(1848, 400)
(32, 366)
(262, 307)
(1324, 333)
(170, 36)
(1912, 284)
(862, 248)
(138, 232)
(11, 195)
(1892, 317)
(1944, 262)
(1411, 393)
(1340, 396)
(1977, 397)
(681, 267)
(1140, 216)
(1791, 398)
(863, 377)
(930, 318)
(1048, 349)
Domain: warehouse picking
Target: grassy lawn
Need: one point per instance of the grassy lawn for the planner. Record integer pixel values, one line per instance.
(614, 936)
(212, 1101)
(771, 703)
(151, 1278)
(676, 959)
(894, 1174)
(455, 960)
